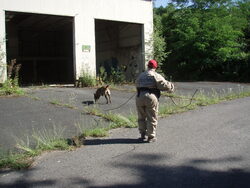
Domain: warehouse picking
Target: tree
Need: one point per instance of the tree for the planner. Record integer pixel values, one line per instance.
(159, 43)
(206, 39)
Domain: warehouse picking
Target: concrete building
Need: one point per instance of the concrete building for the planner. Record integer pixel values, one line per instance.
(55, 41)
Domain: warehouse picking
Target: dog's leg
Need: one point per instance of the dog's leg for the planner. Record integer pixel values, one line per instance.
(109, 99)
(106, 99)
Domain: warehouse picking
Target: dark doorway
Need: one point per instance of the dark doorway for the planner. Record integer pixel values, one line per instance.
(43, 45)
(119, 47)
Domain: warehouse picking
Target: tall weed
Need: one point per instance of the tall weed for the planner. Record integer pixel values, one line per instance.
(86, 80)
(11, 85)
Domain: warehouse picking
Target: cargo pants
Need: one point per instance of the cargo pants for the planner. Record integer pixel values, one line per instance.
(147, 109)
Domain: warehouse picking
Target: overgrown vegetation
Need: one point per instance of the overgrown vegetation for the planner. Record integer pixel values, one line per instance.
(182, 103)
(11, 85)
(33, 146)
(117, 120)
(86, 80)
(205, 39)
(96, 132)
(114, 76)
(15, 160)
(160, 52)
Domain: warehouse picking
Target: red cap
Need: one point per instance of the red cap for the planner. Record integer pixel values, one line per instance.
(152, 64)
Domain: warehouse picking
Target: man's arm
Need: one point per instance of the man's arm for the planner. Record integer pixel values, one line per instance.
(163, 85)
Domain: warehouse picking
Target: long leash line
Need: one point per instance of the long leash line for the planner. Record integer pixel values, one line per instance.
(121, 104)
(190, 102)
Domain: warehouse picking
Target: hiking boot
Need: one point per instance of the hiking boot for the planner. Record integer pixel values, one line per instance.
(142, 138)
(151, 139)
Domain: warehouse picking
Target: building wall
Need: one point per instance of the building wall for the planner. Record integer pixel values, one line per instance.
(84, 12)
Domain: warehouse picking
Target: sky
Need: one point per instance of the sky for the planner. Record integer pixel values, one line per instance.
(159, 3)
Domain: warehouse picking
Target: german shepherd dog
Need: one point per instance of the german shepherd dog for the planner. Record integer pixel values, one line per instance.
(103, 91)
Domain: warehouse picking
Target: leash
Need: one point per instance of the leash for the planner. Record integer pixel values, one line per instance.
(171, 97)
(121, 104)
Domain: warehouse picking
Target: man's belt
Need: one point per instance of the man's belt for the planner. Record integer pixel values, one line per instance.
(154, 91)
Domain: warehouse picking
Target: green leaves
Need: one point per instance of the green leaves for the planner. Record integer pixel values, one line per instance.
(204, 36)
(159, 44)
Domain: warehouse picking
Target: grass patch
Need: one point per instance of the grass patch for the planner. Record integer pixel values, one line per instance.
(170, 108)
(57, 103)
(45, 140)
(236, 95)
(39, 142)
(86, 80)
(15, 160)
(11, 85)
(200, 99)
(203, 100)
(117, 120)
(97, 132)
(93, 111)
(10, 88)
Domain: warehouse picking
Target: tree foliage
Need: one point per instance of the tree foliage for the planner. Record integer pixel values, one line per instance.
(206, 40)
(159, 43)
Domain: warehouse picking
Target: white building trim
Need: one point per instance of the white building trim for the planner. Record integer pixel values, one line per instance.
(84, 13)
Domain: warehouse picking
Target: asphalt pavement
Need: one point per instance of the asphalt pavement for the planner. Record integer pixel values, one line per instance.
(206, 147)
(61, 109)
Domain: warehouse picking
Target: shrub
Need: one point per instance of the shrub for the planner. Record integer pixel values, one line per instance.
(115, 76)
(86, 80)
(11, 85)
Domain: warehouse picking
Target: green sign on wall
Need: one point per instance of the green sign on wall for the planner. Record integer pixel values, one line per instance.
(86, 48)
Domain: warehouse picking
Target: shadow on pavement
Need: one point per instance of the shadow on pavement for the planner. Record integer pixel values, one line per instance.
(112, 141)
(152, 171)
(152, 175)
(24, 182)
(88, 102)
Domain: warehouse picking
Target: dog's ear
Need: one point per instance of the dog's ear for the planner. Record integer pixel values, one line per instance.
(107, 86)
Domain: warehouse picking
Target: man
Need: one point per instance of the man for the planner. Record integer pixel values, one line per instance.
(149, 84)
